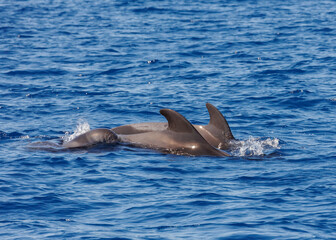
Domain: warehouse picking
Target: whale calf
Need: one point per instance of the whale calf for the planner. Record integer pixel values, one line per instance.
(95, 136)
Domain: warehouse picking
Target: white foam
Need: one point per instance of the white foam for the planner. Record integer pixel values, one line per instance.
(255, 146)
(25, 137)
(82, 127)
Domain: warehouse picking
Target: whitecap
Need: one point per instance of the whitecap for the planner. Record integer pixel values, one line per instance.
(25, 137)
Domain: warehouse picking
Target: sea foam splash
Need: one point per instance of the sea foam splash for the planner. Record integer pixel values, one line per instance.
(82, 127)
(255, 146)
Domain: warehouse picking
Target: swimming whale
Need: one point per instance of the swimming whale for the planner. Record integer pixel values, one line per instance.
(177, 136)
(93, 137)
(217, 133)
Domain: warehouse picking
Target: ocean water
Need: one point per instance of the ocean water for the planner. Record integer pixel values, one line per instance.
(70, 66)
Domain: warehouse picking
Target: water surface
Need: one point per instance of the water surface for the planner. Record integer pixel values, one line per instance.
(268, 66)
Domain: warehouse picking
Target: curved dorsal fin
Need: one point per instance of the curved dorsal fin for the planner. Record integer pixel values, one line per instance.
(179, 124)
(218, 121)
(176, 122)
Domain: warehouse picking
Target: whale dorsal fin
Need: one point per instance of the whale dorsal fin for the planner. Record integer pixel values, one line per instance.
(218, 121)
(176, 122)
(179, 124)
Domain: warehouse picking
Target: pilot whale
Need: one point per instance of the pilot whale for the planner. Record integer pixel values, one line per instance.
(177, 135)
(93, 137)
(217, 133)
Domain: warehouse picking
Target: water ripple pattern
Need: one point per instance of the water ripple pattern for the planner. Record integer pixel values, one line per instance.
(68, 66)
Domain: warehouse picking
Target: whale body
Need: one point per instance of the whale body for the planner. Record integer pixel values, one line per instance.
(176, 136)
(179, 137)
(93, 137)
(217, 133)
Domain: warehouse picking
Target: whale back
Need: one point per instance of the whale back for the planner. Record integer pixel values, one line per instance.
(177, 136)
(92, 137)
(186, 135)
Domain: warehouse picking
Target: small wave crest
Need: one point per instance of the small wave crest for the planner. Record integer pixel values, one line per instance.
(255, 146)
(82, 127)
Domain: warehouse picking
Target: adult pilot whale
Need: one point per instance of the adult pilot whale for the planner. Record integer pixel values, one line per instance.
(178, 136)
(217, 133)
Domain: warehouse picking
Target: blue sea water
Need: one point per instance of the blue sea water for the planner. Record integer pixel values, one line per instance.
(269, 67)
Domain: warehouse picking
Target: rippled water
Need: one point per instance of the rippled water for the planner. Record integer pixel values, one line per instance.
(67, 66)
